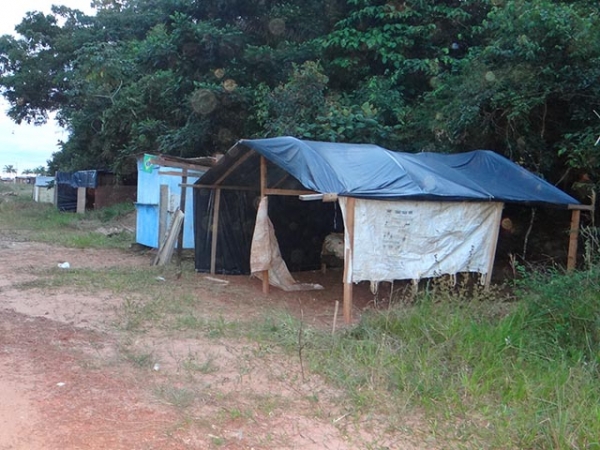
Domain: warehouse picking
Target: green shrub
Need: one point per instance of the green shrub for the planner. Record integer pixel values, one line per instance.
(489, 373)
(112, 212)
(564, 311)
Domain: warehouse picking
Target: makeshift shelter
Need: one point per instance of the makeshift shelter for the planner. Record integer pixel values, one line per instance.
(405, 216)
(43, 189)
(25, 179)
(90, 189)
(161, 191)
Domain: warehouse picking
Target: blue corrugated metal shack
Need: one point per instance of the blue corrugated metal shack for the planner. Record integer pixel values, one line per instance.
(160, 193)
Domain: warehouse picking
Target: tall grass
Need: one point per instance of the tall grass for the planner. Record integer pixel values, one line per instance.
(25, 219)
(487, 372)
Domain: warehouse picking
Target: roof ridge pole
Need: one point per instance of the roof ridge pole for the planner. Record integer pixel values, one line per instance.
(263, 188)
(348, 257)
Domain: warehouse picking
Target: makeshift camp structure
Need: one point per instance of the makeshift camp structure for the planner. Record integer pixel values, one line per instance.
(405, 216)
(43, 189)
(161, 191)
(25, 179)
(90, 189)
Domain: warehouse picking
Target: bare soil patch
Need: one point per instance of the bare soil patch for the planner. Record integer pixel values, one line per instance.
(71, 379)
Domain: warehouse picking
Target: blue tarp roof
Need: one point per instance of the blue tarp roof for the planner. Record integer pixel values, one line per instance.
(369, 171)
(43, 181)
(82, 178)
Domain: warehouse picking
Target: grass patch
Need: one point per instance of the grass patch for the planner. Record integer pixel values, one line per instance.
(488, 373)
(120, 280)
(178, 397)
(150, 298)
(192, 364)
(111, 213)
(140, 359)
(42, 222)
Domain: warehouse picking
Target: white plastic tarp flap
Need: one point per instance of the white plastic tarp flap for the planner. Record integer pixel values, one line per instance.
(266, 256)
(399, 240)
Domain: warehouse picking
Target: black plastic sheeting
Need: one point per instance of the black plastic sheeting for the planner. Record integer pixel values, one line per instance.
(299, 239)
(301, 227)
(66, 197)
(67, 184)
(236, 226)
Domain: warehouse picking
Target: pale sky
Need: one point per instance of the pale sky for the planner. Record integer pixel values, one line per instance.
(27, 146)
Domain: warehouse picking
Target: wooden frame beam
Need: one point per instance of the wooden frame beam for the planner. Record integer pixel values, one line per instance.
(288, 192)
(310, 197)
(494, 245)
(582, 207)
(215, 232)
(81, 191)
(263, 194)
(163, 212)
(281, 180)
(574, 231)
(325, 198)
(573, 239)
(223, 188)
(182, 199)
(178, 174)
(348, 257)
(178, 165)
(235, 165)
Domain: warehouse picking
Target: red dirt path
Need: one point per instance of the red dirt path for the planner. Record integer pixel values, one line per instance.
(66, 383)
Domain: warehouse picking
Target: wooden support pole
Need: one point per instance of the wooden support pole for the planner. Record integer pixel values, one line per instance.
(493, 245)
(215, 231)
(81, 200)
(56, 189)
(348, 294)
(265, 282)
(263, 190)
(163, 209)
(182, 200)
(263, 176)
(573, 239)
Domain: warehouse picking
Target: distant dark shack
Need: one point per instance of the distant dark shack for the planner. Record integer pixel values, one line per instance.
(91, 189)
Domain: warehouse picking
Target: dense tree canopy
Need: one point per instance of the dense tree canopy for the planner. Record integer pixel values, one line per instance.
(190, 77)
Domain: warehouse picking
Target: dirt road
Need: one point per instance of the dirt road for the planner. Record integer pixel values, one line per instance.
(72, 377)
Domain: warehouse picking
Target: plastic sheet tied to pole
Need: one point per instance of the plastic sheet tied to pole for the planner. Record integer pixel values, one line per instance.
(265, 255)
(410, 240)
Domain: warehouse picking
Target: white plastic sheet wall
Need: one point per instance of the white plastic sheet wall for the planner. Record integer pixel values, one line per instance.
(399, 240)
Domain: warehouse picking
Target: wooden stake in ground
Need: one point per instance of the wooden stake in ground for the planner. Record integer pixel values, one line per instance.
(335, 313)
(165, 252)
